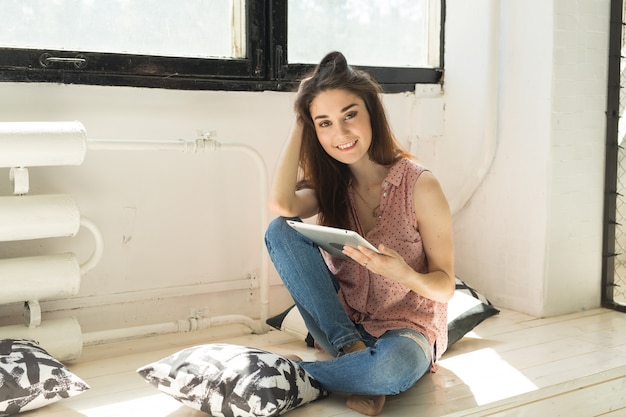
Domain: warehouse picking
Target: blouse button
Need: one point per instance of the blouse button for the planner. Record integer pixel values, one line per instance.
(385, 194)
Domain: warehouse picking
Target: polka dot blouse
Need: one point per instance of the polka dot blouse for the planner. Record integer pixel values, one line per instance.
(381, 304)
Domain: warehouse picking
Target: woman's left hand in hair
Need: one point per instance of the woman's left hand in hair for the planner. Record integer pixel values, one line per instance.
(387, 263)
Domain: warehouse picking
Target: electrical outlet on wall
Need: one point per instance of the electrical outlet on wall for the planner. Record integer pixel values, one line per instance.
(254, 282)
(428, 90)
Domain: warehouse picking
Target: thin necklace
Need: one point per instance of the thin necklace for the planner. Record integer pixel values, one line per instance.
(374, 210)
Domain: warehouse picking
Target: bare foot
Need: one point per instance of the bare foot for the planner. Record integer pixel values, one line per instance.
(293, 357)
(318, 347)
(354, 347)
(370, 405)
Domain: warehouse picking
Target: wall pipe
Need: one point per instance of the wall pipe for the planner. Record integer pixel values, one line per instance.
(492, 124)
(178, 326)
(206, 142)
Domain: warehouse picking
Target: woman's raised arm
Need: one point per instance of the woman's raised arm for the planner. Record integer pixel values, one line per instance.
(284, 199)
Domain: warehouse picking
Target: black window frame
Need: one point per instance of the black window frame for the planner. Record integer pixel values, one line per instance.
(265, 68)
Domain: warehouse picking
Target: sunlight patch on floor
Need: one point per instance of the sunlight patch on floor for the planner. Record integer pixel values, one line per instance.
(165, 405)
(475, 368)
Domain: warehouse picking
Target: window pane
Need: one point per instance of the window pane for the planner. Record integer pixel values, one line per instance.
(191, 28)
(392, 33)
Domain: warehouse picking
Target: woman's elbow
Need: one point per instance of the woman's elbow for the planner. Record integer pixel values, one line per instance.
(450, 288)
(299, 206)
(282, 208)
(278, 208)
(447, 296)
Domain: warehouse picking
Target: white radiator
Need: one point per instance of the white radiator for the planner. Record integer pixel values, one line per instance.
(31, 279)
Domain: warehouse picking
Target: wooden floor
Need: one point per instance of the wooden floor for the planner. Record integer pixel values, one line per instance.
(511, 365)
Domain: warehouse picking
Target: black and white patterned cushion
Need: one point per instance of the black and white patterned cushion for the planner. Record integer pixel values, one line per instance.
(466, 310)
(30, 378)
(227, 380)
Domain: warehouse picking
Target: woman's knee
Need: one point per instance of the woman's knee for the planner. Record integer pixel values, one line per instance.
(400, 365)
(276, 229)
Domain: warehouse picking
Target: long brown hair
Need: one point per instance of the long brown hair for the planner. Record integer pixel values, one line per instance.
(327, 176)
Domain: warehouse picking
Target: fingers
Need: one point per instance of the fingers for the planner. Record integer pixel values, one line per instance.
(387, 263)
(360, 255)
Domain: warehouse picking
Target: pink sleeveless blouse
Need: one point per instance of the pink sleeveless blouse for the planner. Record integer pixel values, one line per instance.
(381, 304)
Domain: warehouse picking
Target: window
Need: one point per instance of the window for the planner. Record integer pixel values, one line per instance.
(393, 32)
(217, 44)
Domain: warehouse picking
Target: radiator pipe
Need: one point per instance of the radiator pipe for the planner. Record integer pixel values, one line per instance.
(178, 326)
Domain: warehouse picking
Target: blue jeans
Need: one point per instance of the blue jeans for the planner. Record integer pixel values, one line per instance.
(391, 363)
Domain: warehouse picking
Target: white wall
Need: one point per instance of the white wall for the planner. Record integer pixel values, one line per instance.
(531, 236)
(521, 134)
(574, 254)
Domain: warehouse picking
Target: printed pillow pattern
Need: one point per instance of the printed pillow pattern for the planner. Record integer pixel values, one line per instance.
(291, 321)
(30, 378)
(466, 310)
(227, 380)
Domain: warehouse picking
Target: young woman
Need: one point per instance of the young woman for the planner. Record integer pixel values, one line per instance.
(381, 316)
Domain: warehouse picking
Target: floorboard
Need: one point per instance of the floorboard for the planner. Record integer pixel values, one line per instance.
(510, 365)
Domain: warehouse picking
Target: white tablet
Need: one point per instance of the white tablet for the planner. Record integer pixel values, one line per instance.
(331, 239)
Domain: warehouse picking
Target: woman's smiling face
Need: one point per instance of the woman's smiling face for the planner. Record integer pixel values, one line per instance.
(342, 124)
